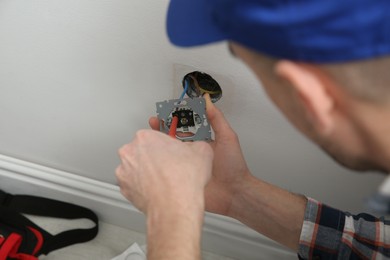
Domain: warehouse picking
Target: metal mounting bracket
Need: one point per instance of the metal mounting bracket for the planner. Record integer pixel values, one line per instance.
(193, 122)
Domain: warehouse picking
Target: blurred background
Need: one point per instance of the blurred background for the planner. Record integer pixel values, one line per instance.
(79, 77)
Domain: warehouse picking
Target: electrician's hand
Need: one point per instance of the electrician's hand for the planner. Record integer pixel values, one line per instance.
(230, 171)
(159, 172)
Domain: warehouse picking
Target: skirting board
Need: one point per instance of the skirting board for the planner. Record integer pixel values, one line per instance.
(221, 235)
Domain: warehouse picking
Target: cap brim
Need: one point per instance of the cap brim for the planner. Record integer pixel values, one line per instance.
(190, 23)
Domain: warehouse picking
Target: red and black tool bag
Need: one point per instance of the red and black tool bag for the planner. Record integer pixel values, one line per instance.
(20, 238)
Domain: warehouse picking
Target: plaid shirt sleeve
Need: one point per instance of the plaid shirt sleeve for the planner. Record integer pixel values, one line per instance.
(328, 233)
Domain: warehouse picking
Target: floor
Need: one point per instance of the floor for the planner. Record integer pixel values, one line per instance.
(110, 242)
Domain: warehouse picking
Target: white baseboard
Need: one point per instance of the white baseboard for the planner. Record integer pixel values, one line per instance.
(222, 236)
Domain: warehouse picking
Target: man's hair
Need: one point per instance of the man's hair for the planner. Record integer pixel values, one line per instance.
(368, 79)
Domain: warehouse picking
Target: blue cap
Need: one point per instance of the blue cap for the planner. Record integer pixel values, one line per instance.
(319, 31)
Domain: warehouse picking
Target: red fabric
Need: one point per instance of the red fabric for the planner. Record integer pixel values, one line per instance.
(39, 237)
(9, 248)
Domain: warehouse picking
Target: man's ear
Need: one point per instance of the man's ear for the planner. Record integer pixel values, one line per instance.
(311, 92)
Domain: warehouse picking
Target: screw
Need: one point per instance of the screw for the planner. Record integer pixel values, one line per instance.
(197, 119)
(184, 121)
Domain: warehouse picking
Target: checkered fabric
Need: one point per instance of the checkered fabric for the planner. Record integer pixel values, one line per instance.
(328, 233)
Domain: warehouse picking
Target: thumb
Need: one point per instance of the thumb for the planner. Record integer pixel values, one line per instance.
(217, 120)
(154, 123)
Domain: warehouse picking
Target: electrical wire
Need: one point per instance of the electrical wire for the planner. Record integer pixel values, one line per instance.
(172, 129)
(185, 89)
(175, 119)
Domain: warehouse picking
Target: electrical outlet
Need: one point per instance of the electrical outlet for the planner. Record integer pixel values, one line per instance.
(181, 70)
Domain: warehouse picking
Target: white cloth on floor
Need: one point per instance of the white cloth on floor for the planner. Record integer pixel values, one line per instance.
(134, 252)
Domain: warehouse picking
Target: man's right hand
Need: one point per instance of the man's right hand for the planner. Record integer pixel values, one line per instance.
(233, 191)
(229, 167)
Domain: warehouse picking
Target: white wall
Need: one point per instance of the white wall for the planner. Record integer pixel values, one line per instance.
(79, 77)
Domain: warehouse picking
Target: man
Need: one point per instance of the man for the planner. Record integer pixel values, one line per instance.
(325, 65)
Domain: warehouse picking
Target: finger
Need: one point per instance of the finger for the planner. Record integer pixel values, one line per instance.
(154, 123)
(119, 175)
(217, 120)
(125, 155)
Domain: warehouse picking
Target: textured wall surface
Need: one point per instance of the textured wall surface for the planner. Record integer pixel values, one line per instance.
(79, 77)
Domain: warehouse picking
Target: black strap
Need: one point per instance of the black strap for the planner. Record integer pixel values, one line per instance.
(52, 208)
